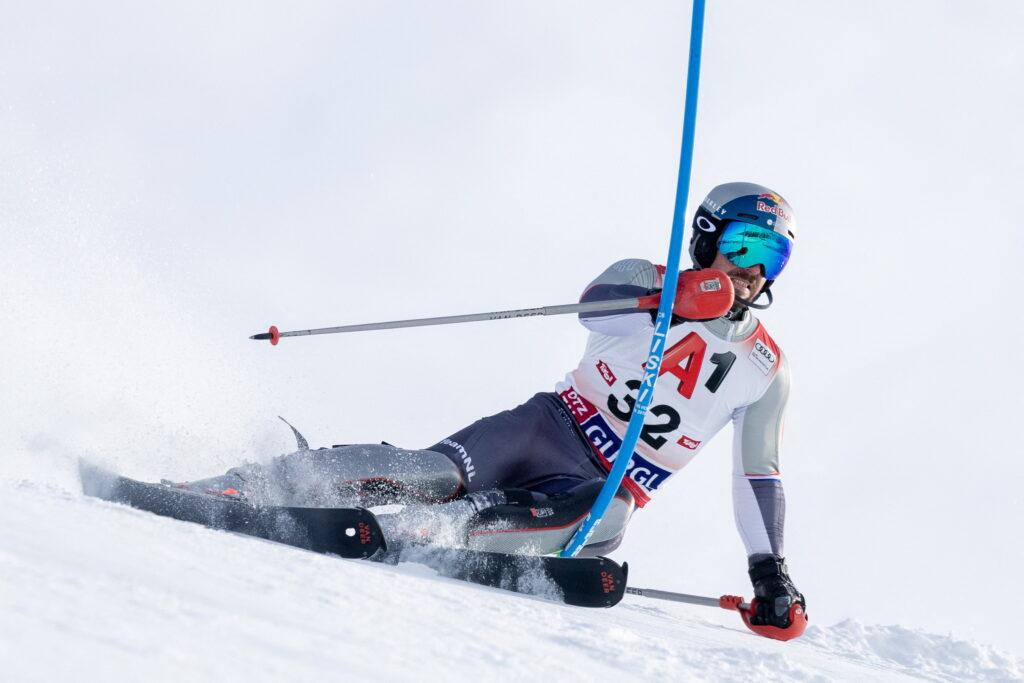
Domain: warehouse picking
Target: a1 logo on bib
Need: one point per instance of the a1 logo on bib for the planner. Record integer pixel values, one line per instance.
(763, 357)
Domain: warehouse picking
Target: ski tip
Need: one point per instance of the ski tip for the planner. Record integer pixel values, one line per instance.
(299, 438)
(97, 482)
(86, 468)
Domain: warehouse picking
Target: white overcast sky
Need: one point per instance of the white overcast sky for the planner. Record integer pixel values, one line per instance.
(176, 177)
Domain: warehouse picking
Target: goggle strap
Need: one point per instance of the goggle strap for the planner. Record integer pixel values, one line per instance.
(753, 304)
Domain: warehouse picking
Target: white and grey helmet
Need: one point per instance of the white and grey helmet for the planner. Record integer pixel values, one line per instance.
(753, 205)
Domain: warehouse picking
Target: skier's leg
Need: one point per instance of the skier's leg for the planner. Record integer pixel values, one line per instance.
(363, 474)
(540, 524)
(514, 520)
(533, 446)
(530, 478)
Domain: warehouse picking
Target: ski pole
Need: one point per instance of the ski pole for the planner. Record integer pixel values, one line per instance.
(797, 614)
(633, 303)
(725, 602)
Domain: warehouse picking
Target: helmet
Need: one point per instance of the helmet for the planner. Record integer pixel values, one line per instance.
(755, 222)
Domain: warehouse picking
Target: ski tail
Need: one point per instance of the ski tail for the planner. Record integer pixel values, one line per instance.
(349, 532)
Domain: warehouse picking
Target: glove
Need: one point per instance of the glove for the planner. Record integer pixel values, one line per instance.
(774, 592)
(703, 294)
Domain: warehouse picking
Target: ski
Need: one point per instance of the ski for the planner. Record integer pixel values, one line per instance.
(355, 533)
(348, 532)
(578, 581)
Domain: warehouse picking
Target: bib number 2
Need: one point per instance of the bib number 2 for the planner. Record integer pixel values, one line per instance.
(649, 430)
(683, 361)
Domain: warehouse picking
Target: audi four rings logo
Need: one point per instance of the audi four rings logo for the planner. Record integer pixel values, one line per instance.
(762, 356)
(763, 350)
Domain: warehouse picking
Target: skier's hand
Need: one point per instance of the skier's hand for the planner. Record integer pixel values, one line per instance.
(774, 592)
(703, 294)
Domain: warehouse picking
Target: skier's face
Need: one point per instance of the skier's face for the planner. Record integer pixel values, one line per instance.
(746, 281)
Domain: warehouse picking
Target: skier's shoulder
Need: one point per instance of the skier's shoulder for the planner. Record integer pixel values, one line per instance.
(768, 356)
(763, 336)
(631, 271)
(749, 336)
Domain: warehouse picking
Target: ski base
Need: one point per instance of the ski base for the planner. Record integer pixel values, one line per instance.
(348, 532)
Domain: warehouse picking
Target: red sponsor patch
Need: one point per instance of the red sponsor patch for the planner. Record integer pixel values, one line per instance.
(581, 408)
(687, 442)
(606, 372)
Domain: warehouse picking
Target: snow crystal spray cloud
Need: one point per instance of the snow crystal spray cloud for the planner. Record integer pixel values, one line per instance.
(102, 354)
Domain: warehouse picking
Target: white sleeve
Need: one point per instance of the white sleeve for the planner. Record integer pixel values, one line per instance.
(759, 501)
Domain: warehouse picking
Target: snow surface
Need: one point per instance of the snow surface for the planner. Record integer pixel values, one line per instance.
(97, 591)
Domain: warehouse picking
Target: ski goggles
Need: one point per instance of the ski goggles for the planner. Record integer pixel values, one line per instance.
(746, 245)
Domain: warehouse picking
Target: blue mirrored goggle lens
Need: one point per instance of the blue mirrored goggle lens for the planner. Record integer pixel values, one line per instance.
(746, 245)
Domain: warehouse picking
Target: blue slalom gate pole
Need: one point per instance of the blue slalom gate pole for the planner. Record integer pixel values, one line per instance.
(668, 294)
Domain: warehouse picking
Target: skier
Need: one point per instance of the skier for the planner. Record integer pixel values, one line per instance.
(522, 480)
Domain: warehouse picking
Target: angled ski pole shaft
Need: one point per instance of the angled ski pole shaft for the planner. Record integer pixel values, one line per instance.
(652, 364)
(632, 303)
(725, 602)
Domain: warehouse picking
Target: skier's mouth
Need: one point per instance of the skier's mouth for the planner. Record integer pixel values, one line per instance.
(743, 280)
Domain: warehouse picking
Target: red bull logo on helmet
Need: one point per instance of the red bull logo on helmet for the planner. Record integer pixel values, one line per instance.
(775, 208)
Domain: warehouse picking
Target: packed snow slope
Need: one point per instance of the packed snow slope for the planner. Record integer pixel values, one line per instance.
(97, 591)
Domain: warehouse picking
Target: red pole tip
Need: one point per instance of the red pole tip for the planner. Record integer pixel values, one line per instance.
(275, 335)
